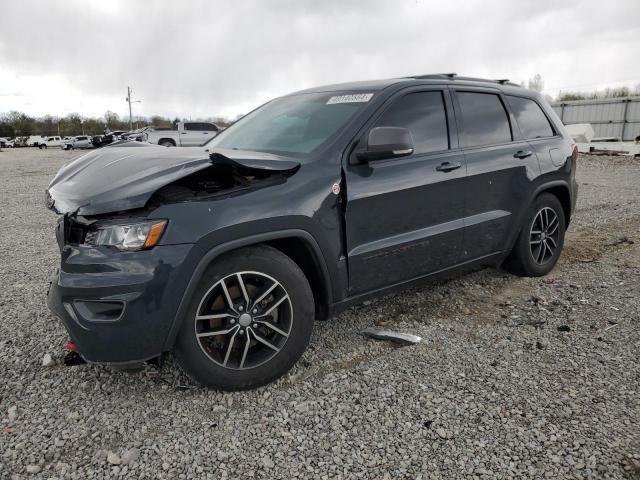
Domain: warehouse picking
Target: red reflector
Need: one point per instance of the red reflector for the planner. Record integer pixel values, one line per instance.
(70, 346)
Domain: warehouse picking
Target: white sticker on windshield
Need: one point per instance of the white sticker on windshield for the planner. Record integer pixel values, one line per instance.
(355, 98)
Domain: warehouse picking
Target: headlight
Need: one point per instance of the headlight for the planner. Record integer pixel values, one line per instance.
(132, 236)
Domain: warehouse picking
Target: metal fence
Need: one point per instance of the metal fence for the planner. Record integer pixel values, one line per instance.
(609, 117)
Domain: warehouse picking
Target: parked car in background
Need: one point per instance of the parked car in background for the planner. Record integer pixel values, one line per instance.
(54, 141)
(34, 140)
(311, 203)
(106, 139)
(188, 134)
(81, 141)
(139, 134)
(6, 142)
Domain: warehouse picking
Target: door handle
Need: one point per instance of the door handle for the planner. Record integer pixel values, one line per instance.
(523, 154)
(447, 166)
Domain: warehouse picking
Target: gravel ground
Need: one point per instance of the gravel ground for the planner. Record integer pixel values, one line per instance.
(515, 377)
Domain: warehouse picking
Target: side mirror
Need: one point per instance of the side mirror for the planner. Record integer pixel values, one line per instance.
(387, 142)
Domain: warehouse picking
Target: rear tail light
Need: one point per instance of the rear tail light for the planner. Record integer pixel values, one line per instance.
(574, 154)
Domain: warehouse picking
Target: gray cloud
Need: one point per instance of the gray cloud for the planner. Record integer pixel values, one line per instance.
(202, 58)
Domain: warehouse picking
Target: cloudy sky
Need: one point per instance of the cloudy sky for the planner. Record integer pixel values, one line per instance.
(202, 58)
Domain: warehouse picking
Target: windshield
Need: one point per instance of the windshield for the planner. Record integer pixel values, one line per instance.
(296, 124)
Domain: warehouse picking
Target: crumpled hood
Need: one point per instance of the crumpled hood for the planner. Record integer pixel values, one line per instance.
(116, 179)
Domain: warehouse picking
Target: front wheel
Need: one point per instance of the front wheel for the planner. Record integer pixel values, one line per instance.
(249, 322)
(42, 146)
(541, 239)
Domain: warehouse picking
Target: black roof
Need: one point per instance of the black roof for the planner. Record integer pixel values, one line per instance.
(435, 78)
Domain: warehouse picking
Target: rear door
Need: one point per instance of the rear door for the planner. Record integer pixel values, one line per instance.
(500, 167)
(404, 215)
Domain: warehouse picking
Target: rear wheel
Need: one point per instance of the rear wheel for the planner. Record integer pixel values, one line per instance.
(250, 320)
(167, 143)
(42, 146)
(541, 239)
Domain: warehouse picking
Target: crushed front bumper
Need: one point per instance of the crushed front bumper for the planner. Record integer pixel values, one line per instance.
(118, 307)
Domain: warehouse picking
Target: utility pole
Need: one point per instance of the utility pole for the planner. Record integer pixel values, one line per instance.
(129, 102)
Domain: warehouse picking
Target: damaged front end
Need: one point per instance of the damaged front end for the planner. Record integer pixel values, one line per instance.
(122, 179)
(119, 287)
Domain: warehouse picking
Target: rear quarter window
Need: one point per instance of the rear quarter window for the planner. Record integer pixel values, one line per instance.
(531, 119)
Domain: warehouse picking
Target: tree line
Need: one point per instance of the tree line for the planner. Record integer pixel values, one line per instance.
(536, 83)
(18, 124)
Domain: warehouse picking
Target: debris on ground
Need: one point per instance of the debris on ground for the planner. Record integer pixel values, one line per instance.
(382, 322)
(396, 337)
(47, 360)
(620, 241)
(72, 359)
(130, 456)
(564, 328)
(12, 413)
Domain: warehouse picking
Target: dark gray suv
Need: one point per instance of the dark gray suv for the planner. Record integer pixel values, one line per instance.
(311, 203)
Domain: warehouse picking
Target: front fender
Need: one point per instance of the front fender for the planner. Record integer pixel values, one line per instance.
(215, 252)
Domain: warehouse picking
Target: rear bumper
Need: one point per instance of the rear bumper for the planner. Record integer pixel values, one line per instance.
(118, 307)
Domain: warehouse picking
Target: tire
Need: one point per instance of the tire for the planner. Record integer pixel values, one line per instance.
(209, 359)
(167, 143)
(42, 147)
(530, 256)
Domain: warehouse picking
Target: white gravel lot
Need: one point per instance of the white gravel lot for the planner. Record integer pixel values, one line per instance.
(495, 390)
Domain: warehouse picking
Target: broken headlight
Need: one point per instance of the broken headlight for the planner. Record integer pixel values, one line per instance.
(128, 237)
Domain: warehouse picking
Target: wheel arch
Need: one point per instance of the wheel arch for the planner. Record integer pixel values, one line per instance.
(561, 191)
(299, 245)
(168, 139)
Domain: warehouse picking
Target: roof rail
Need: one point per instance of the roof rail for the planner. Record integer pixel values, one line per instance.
(450, 76)
(454, 76)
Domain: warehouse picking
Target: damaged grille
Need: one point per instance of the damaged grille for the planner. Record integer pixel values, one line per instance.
(76, 230)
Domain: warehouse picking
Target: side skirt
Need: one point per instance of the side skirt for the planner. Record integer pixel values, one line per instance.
(492, 259)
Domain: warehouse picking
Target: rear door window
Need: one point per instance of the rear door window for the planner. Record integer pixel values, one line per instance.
(531, 119)
(484, 119)
(422, 113)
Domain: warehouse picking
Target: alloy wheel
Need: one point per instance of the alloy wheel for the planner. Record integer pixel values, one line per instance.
(544, 235)
(243, 320)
